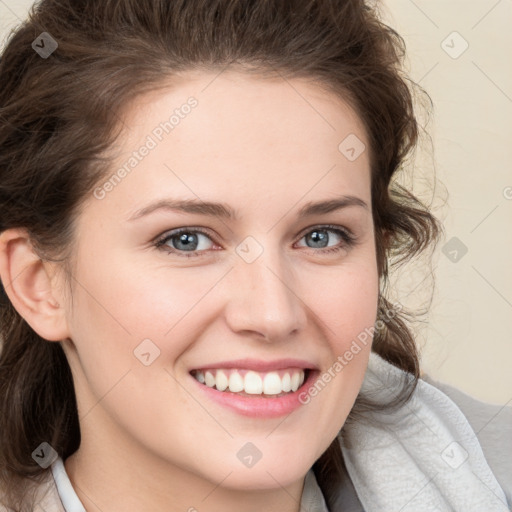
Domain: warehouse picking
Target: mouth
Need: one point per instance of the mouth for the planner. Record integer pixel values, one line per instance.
(251, 383)
(254, 387)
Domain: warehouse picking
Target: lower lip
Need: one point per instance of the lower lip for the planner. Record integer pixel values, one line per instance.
(258, 406)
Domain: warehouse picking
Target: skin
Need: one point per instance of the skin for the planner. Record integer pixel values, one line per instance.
(150, 439)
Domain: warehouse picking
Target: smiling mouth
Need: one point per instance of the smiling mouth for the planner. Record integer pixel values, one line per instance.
(243, 382)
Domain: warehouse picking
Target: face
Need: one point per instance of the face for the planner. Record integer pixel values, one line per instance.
(160, 293)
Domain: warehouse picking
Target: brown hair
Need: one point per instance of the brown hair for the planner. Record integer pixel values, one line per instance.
(60, 115)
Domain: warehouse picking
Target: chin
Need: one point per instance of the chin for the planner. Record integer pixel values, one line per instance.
(274, 469)
(279, 474)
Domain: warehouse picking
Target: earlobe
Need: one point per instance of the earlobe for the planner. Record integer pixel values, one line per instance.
(28, 283)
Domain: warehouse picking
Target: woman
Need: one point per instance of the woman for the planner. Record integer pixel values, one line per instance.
(197, 225)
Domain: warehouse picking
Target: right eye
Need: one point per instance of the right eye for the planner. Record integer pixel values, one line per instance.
(181, 241)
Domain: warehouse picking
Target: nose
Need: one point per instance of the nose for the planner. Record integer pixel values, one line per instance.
(264, 298)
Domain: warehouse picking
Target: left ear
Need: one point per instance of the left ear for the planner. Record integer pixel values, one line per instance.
(31, 287)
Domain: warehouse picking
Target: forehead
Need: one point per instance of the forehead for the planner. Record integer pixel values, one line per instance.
(246, 137)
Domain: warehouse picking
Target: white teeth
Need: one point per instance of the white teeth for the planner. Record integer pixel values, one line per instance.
(295, 381)
(209, 379)
(286, 382)
(272, 384)
(236, 383)
(253, 383)
(221, 380)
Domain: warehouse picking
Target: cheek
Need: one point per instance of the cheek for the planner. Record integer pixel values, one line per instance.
(354, 318)
(139, 302)
(119, 314)
(346, 301)
(118, 318)
(346, 306)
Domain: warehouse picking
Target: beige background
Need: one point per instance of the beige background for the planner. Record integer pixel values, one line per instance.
(467, 340)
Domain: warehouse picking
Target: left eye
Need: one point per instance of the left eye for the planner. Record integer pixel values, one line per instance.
(317, 235)
(188, 240)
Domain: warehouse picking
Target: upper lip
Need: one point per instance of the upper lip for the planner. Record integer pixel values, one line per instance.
(259, 364)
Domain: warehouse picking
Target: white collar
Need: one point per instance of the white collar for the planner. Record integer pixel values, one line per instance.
(67, 494)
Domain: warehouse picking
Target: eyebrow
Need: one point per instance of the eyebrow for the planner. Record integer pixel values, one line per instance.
(224, 211)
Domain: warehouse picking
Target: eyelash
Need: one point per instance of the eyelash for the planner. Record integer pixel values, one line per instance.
(348, 238)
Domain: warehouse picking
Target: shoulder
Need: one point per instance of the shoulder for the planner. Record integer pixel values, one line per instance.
(424, 452)
(492, 425)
